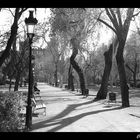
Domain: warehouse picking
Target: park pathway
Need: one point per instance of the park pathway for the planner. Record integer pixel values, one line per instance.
(68, 111)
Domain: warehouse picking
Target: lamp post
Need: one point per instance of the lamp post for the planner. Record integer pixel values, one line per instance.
(33, 70)
(30, 23)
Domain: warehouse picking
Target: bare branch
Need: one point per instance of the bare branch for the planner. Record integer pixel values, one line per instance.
(20, 22)
(136, 14)
(22, 10)
(107, 25)
(127, 66)
(113, 19)
(119, 17)
(11, 12)
(138, 29)
(109, 15)
(128, 18)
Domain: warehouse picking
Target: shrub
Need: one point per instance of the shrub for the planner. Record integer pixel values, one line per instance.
(9, 112)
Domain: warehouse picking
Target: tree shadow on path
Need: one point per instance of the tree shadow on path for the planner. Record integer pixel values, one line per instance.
(69, 120)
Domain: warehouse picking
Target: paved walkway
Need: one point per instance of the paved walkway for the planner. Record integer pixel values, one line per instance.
(69, 112)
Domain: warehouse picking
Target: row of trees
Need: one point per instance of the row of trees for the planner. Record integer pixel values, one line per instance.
(72, 55)
(72, 23)
(14, 48)
(12, 62)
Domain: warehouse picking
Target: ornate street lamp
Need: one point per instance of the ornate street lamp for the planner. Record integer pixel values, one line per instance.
(30, 23)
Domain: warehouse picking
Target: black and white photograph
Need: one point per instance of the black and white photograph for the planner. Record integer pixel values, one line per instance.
(70, 70)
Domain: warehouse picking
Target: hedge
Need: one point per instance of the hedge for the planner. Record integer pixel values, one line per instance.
(10, 120)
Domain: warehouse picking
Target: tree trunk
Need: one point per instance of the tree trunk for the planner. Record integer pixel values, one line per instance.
(122, 75)
(55, 76)
(69, 81)
(17, 81)
(61, 81)
(134, 75)
(134, 78)
(70, 78)
(14, 29)
(102, 93)
(75, 45)
(134, 72)
(72, 82)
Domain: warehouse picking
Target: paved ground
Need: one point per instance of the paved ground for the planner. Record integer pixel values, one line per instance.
(69, 112)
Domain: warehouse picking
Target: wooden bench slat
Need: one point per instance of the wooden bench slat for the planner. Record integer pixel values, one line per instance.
(38, 104)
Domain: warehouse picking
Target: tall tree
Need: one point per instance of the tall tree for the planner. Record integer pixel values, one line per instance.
(121, 24)
(102, 93)
(14, 28)
(70, 78)
(56, 49)
(75, 44)
(68, 21)
(132, 55)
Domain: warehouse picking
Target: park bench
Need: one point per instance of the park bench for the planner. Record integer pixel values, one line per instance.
(37, 103)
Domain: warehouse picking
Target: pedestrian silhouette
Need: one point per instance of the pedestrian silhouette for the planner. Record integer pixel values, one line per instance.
(36, 90)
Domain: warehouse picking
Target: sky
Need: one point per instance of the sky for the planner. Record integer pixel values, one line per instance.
(6, 19)
(41, 15)
(105, 36)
